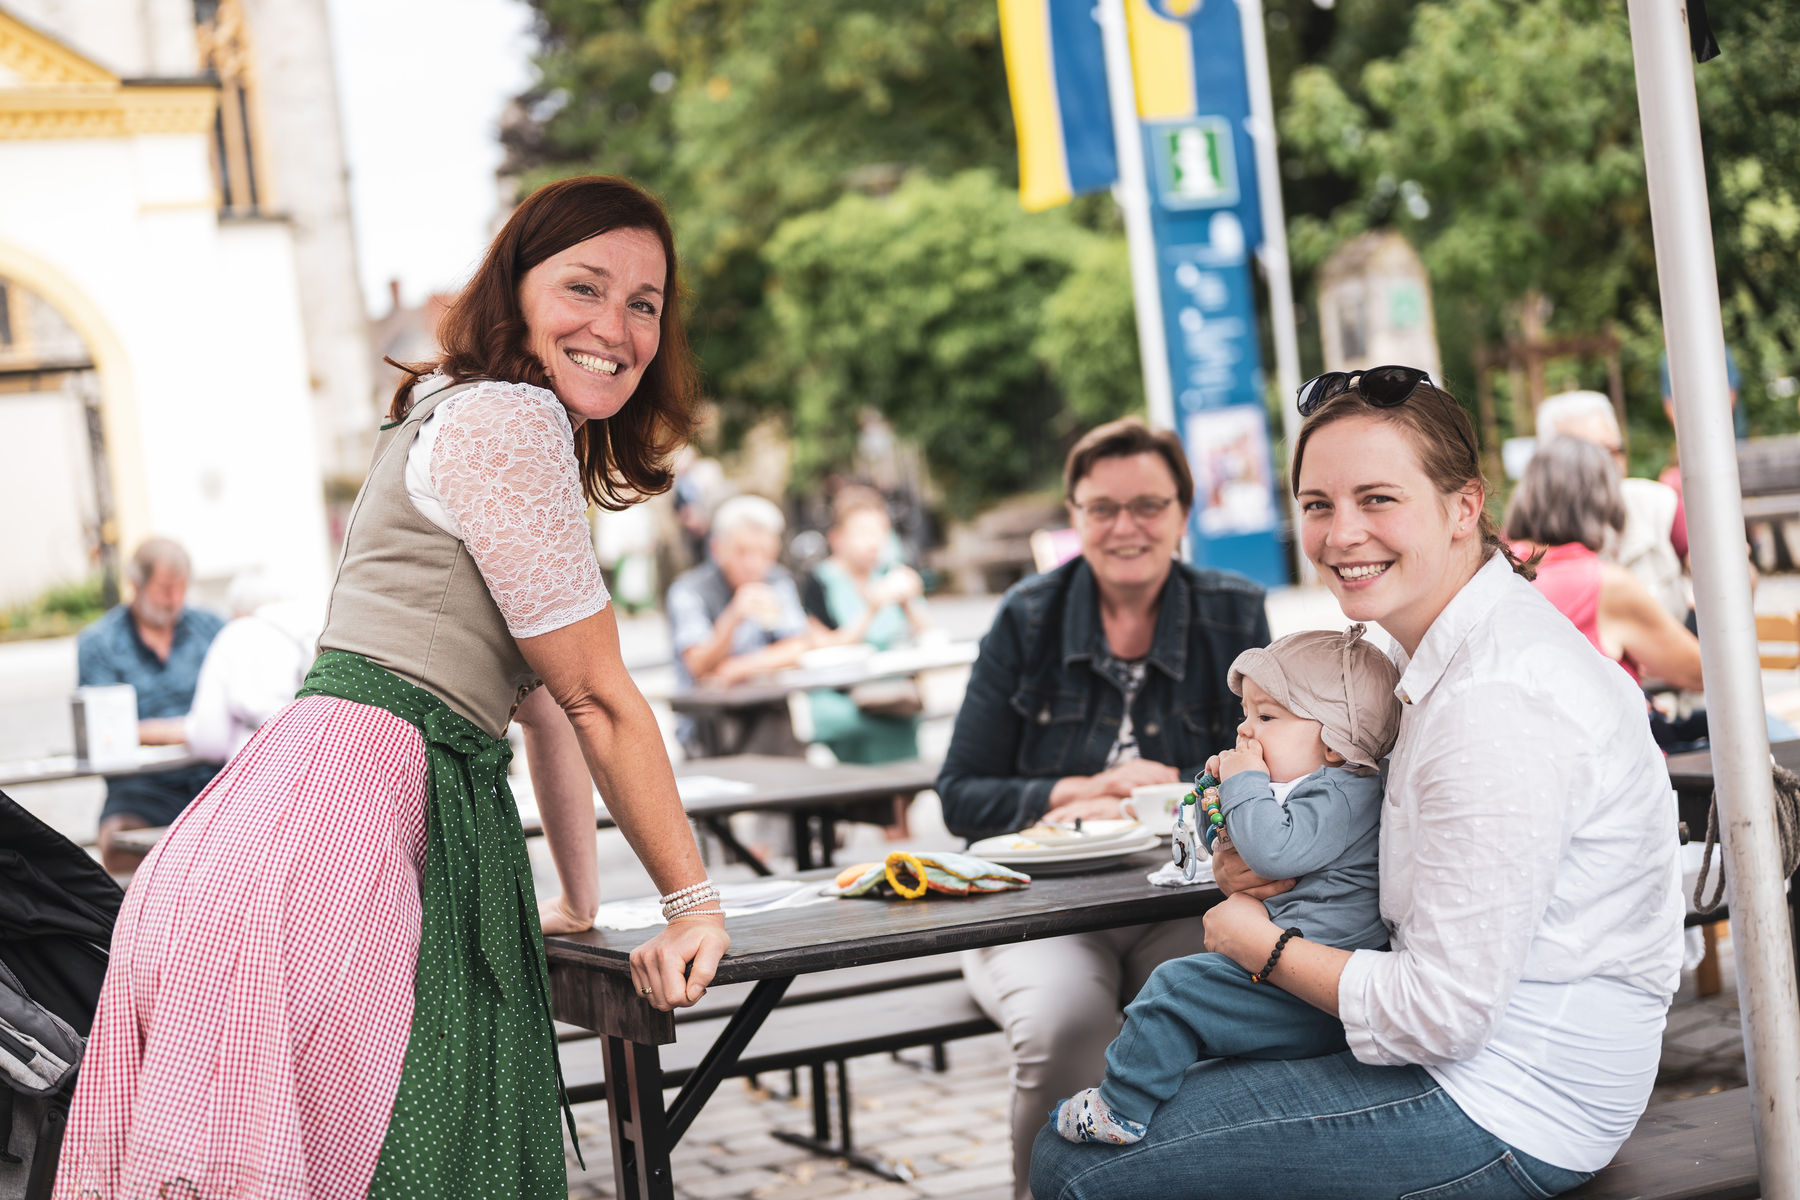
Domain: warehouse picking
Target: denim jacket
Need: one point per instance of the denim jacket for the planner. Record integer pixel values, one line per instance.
(1037, 708)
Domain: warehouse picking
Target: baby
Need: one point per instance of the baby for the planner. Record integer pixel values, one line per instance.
(1301, 795)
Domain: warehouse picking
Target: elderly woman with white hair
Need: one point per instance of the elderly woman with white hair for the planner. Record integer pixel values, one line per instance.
(739, 614)
(1652, 542)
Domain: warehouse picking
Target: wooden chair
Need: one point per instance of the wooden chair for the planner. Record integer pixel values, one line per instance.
(1778, 638)
(1051, 548)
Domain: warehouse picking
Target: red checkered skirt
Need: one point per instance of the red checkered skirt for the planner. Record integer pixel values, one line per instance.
(254, 1020)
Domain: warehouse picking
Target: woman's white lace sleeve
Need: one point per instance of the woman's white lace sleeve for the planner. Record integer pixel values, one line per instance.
(504, 467)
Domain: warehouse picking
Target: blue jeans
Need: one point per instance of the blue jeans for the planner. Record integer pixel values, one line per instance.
(1205, 1006)
(1319, 1128)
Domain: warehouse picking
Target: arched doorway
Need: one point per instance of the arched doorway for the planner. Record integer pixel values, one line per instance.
(58, 485)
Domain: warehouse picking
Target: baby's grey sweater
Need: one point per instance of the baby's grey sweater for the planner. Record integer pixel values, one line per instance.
(1326, 839)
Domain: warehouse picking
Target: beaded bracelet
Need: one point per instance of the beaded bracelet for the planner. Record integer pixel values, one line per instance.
(699, 912)
(1215, 815)
(1281, 942)
(689, 890)
(692, 900)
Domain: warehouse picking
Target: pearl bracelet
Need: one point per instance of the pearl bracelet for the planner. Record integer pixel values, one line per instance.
(698, 912)
(692, 900)
(689, 890)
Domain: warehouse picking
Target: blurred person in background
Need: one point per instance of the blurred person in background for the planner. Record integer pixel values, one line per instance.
(253, 668)
(1653, 540)
(155, 643)
(1103, 674)
(863, 594)
(1568, 504)
(1740, 420)
(739, 614)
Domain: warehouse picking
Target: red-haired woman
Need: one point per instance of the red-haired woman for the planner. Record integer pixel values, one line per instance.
(329, 979)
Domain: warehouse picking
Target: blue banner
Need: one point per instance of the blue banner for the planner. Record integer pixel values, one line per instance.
(1207, 221)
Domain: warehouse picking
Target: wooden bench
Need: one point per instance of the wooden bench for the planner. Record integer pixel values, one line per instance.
(823, 1020)
(1695, 1149)
(1769, 480)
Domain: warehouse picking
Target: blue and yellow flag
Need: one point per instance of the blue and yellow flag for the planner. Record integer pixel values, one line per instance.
(1056, 72)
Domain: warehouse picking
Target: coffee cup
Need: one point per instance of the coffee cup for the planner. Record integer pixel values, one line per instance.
(1153, 804)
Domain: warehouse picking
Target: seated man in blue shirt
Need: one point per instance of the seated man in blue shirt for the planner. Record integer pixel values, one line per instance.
(738, 615)
(155, 643)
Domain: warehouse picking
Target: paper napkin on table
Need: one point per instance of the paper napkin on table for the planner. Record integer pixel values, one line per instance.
(1169, 875)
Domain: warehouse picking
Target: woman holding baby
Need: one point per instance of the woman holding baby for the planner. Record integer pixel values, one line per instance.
(1505, 1043)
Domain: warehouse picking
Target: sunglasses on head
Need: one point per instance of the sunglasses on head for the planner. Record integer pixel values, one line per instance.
(1383, 387)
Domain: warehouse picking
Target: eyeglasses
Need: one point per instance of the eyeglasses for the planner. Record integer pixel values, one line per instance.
(1144, 509)
(1384, 387)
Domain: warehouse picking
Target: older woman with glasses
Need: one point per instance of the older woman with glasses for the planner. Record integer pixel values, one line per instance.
(1099, 676)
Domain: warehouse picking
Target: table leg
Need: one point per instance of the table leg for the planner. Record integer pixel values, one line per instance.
(720, 827)
(803, 836)
(634, 1110)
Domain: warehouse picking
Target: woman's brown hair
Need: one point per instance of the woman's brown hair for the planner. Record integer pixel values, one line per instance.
(626, 456)
(1126, 438)
(1441, 436)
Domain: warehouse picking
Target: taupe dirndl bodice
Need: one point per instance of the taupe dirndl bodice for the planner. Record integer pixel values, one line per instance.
(408, 597)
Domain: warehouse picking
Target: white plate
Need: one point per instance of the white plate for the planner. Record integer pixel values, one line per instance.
(1094, 835)
(1055, 861)
(1089, 860)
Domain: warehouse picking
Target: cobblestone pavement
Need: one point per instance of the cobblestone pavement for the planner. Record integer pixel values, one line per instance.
(950, 1130)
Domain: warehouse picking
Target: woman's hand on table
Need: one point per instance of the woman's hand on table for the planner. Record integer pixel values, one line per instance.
(1099, 808)
(1240, 929)
(561, 916)
(1096, 797)
(677, 964)
(1234, 877)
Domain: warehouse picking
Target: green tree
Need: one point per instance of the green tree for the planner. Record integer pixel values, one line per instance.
(771, 130)
(1503, 139)
(926, 305)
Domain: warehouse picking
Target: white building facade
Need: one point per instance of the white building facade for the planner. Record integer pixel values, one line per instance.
(191, 318)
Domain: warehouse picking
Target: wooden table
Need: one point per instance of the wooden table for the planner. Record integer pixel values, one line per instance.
(814, 798)
(590, 981)
(757, 709)
(1692, 775)
(59, 767)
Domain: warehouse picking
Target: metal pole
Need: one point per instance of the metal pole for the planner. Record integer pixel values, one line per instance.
(1274, 252)
(1688, 279)
(1133, 195)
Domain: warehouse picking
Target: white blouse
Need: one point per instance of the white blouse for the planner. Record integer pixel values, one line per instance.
(495, 468)
(1529, 878)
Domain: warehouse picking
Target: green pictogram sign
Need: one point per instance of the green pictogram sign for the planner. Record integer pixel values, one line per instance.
(1195, 163)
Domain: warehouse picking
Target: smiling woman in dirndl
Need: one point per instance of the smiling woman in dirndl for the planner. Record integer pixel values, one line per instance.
(329, 979)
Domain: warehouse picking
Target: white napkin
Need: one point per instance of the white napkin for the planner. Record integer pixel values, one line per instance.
(737, 899)
(1169, 875)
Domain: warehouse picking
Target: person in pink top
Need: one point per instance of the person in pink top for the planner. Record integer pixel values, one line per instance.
(1568, 508)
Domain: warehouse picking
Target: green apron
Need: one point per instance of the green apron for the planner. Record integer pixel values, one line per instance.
(475, 1115)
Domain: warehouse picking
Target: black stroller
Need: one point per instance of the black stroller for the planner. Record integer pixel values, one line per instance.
(57, 908)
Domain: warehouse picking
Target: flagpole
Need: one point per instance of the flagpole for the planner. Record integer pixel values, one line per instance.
(1687, 276)
(1132, 192)
(1274, 252)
